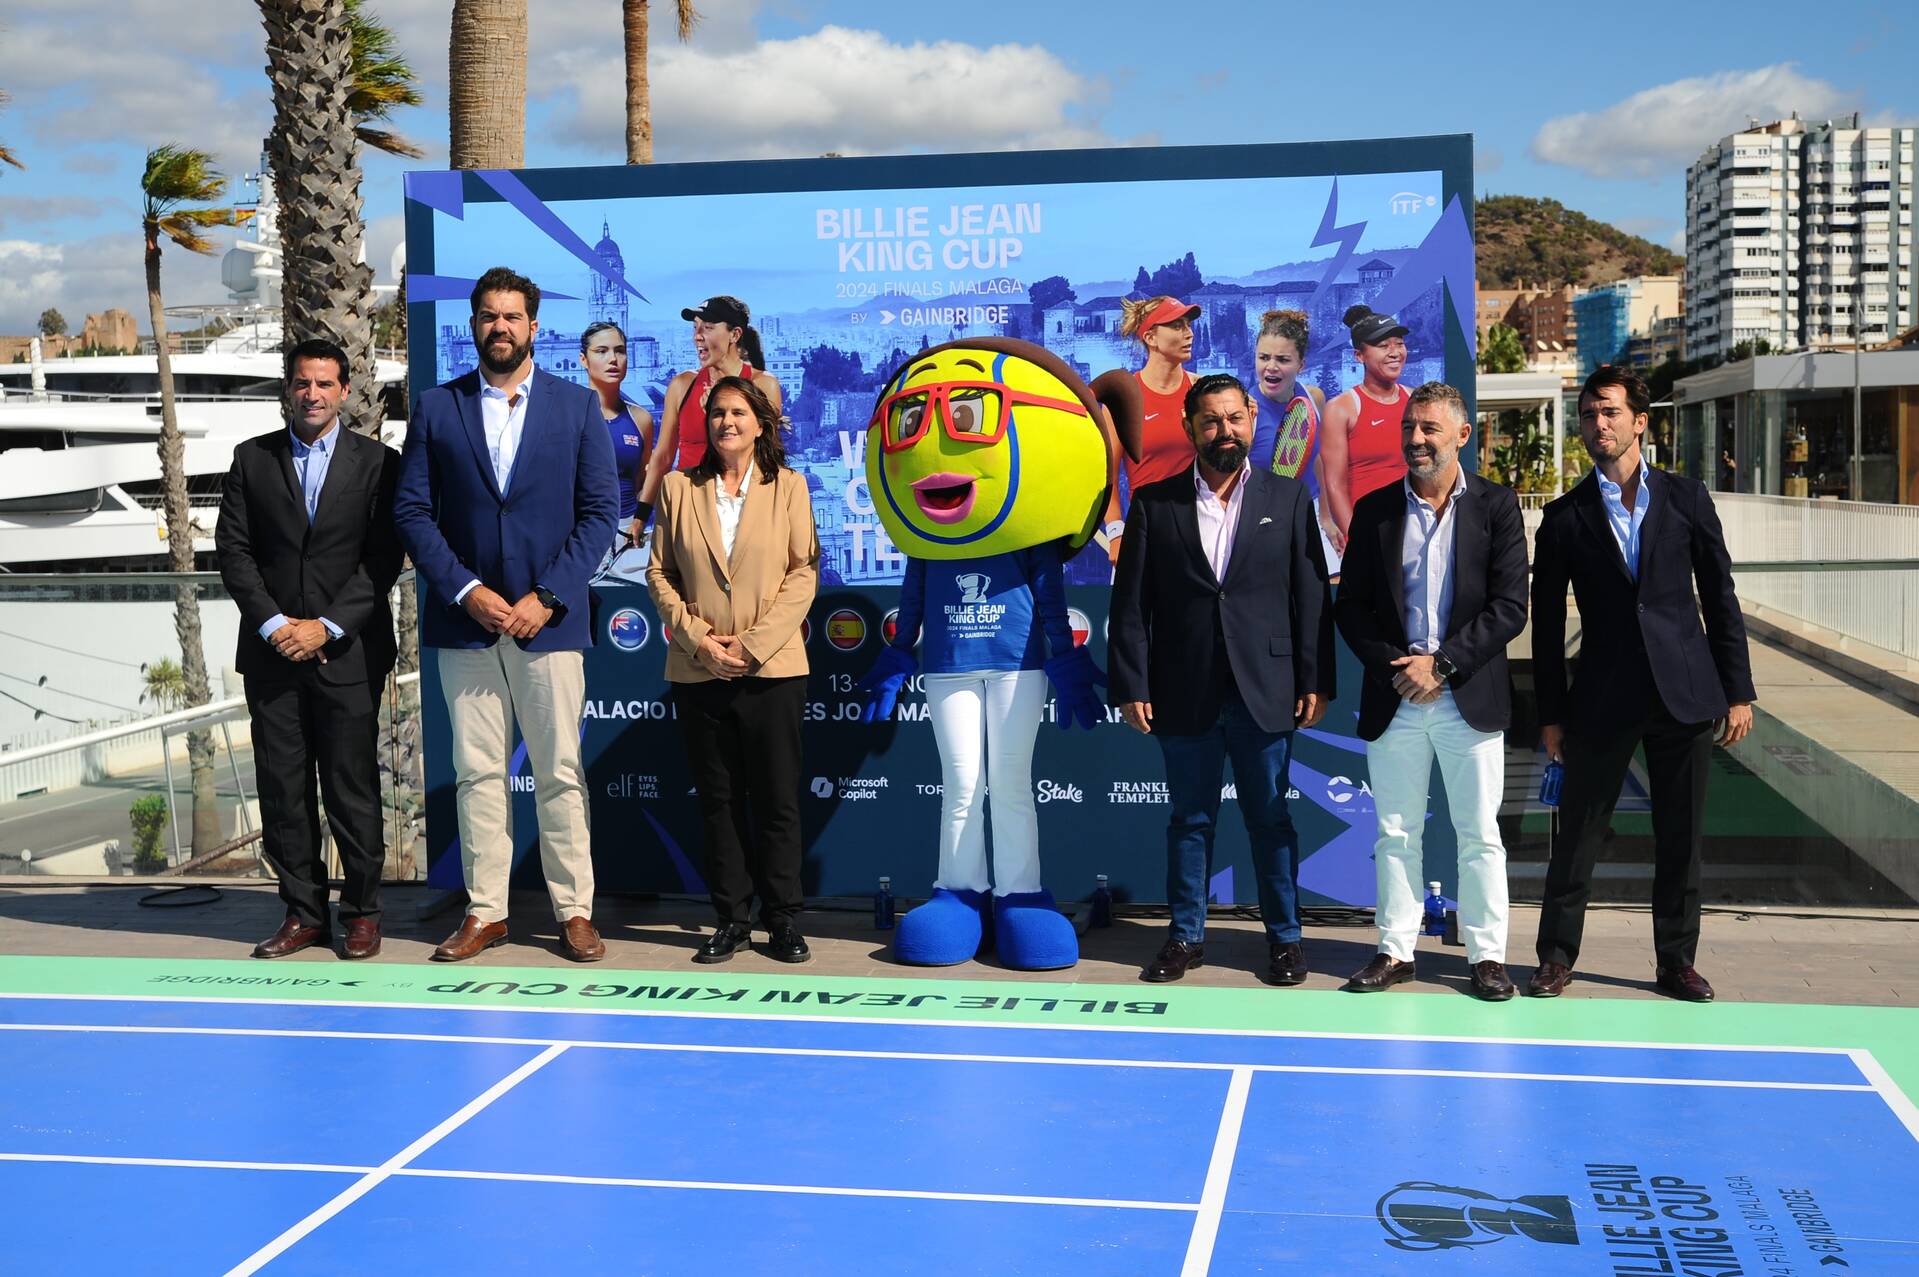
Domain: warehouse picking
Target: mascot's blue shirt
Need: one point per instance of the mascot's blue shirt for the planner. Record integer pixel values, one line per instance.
(980, 614)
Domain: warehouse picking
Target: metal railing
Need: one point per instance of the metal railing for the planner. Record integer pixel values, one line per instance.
(1876, 603)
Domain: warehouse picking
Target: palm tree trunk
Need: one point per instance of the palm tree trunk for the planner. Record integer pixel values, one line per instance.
(486, 97)
(315, 159)
(639, 104)
(186, 598)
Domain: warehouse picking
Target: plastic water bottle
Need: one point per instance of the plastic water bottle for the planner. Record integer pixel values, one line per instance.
(1435, 911)
(1550, 781)
(883, 905)
(1102, 902)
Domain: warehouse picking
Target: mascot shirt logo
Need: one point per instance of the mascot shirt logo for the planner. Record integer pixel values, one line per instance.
(973, 586)
(1423, 1216)
(628, 629)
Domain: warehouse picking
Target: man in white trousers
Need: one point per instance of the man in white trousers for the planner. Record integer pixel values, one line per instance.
(1434, 588)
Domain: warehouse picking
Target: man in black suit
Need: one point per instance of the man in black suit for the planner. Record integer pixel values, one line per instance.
(1220, 645)
(1632, 541)
(1432, 591)
(307, 549)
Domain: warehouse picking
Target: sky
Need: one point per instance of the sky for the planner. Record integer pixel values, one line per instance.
(1601, 115)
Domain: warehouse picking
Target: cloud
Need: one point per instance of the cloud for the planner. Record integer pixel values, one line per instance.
(1487, 159)
(1664, 128)
(22, 210)
(90, 275)
(854, 92)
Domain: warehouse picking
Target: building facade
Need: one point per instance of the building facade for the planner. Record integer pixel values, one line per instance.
(1609, 316)
(1800, 234)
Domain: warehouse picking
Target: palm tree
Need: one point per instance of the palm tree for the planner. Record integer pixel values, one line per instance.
(176, 177)
(486, 73)
(639, 92)
(164, 684)
(383, 81)
(6, 152)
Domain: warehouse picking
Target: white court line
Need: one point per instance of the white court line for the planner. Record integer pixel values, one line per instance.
(953, 1057)
(373, 1178)
(1219, 1173)
(1027, 1025)
(615, 1181)
(1896, 1099)
(189, 1163)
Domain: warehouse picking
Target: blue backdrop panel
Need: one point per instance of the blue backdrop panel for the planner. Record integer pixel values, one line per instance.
(848, 265)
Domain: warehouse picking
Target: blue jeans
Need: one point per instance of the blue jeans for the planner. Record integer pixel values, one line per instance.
(1195, 766)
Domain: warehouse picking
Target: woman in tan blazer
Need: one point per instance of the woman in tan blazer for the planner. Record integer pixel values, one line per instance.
(734, 567)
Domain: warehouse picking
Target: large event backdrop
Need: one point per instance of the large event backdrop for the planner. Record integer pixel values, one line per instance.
(849, 265)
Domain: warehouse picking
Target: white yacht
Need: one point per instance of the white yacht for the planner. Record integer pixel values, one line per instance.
(79, 437)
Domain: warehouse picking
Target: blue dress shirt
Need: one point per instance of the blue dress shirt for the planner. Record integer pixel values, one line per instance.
(1626, 523)
(310, 462)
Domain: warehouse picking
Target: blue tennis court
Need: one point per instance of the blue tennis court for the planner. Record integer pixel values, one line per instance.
(164, 1136)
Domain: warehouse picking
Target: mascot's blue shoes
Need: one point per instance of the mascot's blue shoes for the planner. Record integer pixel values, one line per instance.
(1033, 935)
(948, 929)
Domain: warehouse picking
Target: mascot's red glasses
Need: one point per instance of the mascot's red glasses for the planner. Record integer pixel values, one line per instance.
(969, 412)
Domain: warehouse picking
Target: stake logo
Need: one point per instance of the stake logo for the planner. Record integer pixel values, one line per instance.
(1422, 1216)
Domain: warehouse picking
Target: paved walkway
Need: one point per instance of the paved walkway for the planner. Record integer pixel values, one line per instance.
(1837, 957)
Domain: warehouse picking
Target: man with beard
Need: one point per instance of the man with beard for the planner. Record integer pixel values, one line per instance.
(1632, 542)
(507, 500)
(1432, 591)
(1220, 646)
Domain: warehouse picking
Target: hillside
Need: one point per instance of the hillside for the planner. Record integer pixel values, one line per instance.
(1522, 240)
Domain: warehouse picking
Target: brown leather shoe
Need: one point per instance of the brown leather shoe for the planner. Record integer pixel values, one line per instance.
(472, 937)
(1174, 959)
(1549, 980)
(1381, 974)
(581, 941)
(362, 938)
(1490, 981)
(292, 937)
(1684, 983)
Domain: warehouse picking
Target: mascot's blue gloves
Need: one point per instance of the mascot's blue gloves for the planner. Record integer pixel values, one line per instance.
(1074, 677)
(881, 684)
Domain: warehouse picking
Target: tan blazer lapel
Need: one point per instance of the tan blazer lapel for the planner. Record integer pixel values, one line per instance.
(706, 511)
(755, 517)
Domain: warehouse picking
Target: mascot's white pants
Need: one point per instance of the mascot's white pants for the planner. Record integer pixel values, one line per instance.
(987, 718)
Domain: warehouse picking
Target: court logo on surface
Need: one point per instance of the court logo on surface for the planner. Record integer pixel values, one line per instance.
(1421, 1216)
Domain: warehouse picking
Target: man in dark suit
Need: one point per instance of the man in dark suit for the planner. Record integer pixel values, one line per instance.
(1220, 645)
(507, 502)
(1632, 541)
(307, 550)
(1433, 588)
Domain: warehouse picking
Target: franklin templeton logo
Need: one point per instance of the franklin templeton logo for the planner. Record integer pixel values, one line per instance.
(1421, 1216)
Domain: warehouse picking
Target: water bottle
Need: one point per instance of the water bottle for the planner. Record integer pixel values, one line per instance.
(1102, 902)
(1550, 781)
(883, 905)
(1435, 911)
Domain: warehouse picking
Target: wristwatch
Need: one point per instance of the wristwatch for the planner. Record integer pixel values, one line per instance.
(548, 599)
(1443, 665)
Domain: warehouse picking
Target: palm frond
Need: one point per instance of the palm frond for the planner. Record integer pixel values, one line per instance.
(382, 79)
(7, 156)
(183, 233)
(179, 175)
(689, 17)
(386, 140)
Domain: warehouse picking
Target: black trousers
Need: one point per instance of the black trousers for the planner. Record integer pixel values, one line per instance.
(1678, 760)
(304, 728)
(743, 741)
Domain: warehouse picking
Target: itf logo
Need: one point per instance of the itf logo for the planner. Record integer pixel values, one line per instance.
(1404, 202)
(1421, 1216)
(628, 629)
(973, 586)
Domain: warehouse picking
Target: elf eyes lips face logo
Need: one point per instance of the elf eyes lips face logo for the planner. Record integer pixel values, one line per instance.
(1422, 1216)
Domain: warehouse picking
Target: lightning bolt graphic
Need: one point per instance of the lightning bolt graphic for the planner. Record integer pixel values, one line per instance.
(1347, 237)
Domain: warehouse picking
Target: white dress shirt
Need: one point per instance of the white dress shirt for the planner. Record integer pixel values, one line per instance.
(1426, 566)
(730, 508)
(503, 419)
(1219, 520)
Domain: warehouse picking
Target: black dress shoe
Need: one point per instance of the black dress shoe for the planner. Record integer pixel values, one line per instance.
(1174, 959)
(1382, 973)
(724, 943)
(784, 943)
(1549, 981)
(1684, 983)
(1490, 981)
(1286, 964)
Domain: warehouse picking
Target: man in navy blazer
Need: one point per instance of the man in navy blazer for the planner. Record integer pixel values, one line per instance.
(1220, 644)
(507, 501)
(1632, 542)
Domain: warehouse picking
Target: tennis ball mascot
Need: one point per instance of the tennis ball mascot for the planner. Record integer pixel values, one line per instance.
(988, 460)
